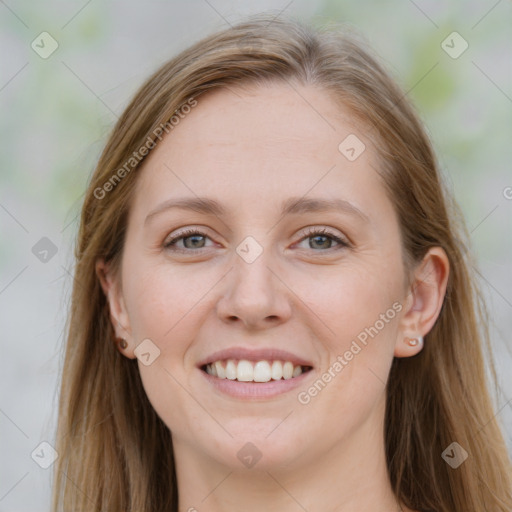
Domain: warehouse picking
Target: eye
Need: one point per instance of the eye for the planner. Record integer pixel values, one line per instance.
(322, 238)
(192, 239)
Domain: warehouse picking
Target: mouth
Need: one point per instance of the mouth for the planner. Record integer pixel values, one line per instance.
(244, 370)
(255, 374)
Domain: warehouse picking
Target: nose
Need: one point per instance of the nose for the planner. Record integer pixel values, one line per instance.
(255, 295)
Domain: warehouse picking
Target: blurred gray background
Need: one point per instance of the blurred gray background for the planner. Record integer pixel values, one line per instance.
(58, 107)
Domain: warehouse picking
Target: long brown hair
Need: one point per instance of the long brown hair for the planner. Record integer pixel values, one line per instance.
(116, 454)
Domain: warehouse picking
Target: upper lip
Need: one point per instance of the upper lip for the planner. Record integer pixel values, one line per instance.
(252, 354)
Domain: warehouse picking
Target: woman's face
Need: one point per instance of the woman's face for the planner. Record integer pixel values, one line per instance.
(288, 259)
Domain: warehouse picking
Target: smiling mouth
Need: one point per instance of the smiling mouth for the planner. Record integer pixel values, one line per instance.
(244, 370)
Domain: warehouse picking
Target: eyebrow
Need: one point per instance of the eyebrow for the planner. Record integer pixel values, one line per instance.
(292, 206)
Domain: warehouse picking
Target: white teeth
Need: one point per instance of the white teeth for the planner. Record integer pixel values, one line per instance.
(221, 373)
(244, 371)
(262, 372)
(248, 371)
(287, 370)
(230, 370)
(277, 370)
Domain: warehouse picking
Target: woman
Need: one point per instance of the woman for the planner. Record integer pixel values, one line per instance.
(272, 307)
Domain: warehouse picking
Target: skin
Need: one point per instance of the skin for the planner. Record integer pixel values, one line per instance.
(250, 149)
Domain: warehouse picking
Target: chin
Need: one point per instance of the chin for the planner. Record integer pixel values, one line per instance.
(263, 447)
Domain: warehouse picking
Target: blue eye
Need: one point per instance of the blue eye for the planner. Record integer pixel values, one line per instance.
(194, 240)
(324, 235)
(191, 234)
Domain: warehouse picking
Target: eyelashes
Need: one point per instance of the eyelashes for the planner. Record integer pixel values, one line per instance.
(193, 234)
(324, 233)
(171, 243)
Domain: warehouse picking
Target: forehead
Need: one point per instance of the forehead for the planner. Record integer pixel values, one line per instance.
(257, 145)
(266, 121)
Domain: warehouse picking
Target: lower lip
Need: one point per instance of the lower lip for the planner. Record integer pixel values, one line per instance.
(255, 390)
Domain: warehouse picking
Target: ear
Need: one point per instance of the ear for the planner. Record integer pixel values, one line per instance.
(424, 301)
(111, 285)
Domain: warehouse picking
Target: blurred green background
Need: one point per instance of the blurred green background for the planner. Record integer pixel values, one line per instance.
(58, 110)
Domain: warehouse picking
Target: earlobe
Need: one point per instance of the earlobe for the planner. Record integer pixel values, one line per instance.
(424, 302)
(409, 347)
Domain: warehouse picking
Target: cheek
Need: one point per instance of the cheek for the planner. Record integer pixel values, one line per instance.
(163, 298)
(350, 299)
(165, 304)
(360, 308)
